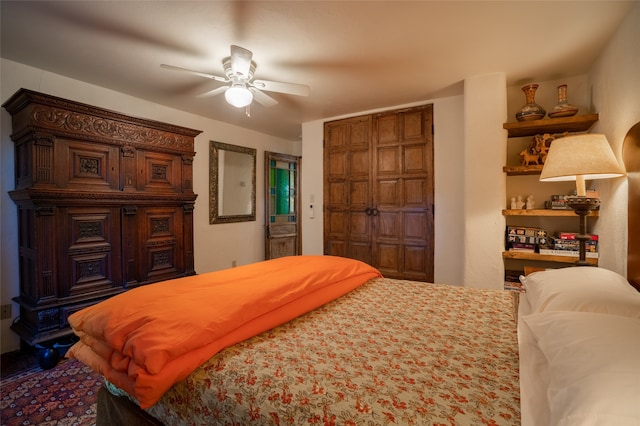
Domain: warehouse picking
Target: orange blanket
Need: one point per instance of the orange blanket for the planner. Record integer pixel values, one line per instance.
(151, 337)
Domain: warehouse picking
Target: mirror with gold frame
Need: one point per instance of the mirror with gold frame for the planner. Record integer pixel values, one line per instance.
(232, 183)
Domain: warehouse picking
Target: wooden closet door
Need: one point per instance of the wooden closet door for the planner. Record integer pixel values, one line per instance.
(378, 191)
(347, 188)
(402, 242)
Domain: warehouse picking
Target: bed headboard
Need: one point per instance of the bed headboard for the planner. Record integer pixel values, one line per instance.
(631, 158)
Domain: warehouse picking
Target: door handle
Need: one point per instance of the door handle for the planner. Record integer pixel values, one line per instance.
(374, 211)
(368, 211)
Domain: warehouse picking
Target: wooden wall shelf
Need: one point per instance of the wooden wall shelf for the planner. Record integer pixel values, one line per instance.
(577, 123)
(545, 257)
(545, 212)
(522, 170)
(554, 126)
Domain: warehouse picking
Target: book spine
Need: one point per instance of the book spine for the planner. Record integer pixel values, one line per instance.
(573, 235)
(569, 253)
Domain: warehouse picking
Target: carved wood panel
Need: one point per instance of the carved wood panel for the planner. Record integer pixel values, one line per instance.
(386, 219)
(90, 249)
(160, 246)
(159, 172)
(85, 165)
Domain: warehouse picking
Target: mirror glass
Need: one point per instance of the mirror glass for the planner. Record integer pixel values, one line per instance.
(232, 183)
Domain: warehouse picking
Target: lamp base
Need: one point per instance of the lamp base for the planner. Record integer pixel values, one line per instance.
(582, 206)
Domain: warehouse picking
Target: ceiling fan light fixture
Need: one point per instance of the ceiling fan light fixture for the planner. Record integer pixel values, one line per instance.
(238, 95)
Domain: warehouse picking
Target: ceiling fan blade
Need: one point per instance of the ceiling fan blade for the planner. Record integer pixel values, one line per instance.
(262, 98)
(214, 92)
(288, 88)
(200, 74)
(240, 60)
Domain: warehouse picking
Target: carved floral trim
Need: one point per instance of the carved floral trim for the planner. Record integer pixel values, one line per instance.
(87, 125)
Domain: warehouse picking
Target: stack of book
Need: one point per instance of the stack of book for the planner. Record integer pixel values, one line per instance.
(525, 239)
(566, 244)
(512, 280)
(559, 202)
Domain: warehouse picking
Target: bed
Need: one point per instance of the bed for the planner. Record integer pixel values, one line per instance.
(386, 352)
(372, 350)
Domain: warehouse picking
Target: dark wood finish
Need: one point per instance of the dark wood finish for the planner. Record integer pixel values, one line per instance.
(577, 123)
(631, 158)
(105, 203)
(282, 238)
(379, 191)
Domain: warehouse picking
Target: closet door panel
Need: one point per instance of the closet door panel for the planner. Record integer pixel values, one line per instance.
(388, 161)
(416, 262)
(359, 193)
(338, 193)
(389, 259)
(388, 129)
(414, 193)
(389, 193)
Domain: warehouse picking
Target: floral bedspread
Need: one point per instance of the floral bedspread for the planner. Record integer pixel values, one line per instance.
(389, 352)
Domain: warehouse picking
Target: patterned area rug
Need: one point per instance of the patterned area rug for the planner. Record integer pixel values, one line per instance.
(64, 395)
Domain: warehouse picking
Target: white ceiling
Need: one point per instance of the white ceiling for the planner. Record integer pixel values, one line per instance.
(354, 55)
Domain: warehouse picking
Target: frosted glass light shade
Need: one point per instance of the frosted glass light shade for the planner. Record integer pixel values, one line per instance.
(238, 96)
(579, 158)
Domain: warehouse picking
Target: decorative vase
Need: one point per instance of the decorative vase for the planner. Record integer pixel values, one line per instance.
(563, 108)
(531, 111)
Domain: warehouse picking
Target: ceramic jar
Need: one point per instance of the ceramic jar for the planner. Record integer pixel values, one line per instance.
(531, 110)
(563, 108)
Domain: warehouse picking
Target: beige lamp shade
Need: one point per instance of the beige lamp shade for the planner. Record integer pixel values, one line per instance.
(580, 157)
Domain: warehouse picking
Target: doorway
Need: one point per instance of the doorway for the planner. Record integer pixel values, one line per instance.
(282, 205)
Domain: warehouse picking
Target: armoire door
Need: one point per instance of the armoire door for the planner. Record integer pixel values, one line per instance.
(379, 191)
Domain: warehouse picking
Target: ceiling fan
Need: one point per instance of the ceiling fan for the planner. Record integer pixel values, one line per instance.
(239, 70)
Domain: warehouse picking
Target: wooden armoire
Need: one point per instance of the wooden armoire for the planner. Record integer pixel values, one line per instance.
(379, 192)
(105, 204)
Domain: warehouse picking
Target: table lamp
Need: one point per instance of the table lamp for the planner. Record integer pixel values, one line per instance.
(581, 157)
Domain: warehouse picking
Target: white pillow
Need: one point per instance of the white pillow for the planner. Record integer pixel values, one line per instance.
(594, 373)
(583, 288)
